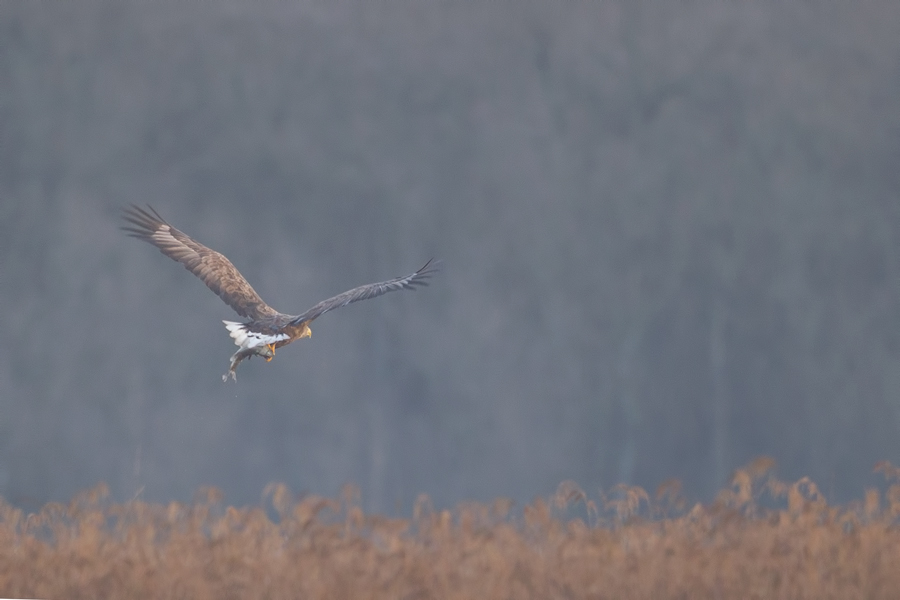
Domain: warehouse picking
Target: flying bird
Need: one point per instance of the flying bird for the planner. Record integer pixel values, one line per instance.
(265, 329)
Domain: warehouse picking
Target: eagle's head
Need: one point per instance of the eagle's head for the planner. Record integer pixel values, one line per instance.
(301, 331)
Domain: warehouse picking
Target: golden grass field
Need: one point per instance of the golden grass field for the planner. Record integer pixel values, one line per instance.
(761, 538)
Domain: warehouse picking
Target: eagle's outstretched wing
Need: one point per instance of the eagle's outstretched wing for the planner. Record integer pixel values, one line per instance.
(372, 290)
(212, 268)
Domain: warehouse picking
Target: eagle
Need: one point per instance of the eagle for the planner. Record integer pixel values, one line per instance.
(265, 329)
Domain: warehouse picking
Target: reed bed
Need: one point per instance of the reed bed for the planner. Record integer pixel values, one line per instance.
(760, 538)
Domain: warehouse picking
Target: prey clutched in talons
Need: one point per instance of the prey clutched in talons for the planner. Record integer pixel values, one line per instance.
(267, 352)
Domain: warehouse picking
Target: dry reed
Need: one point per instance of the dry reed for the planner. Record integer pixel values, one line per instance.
(761, 538)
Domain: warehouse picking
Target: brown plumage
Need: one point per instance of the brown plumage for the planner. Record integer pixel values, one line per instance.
(265, 329)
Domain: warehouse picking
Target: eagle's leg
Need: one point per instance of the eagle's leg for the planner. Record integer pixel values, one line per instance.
(267, 356)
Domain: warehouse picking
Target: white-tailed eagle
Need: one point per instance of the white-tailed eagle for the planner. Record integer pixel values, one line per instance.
(265, 329)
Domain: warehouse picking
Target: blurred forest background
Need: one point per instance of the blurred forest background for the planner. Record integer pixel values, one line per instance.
(671, 234)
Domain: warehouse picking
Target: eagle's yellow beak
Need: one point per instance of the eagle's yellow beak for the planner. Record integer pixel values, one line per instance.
(307, 333)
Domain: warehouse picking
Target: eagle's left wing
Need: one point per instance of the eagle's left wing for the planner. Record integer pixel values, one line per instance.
(212, 268)
(372, 290)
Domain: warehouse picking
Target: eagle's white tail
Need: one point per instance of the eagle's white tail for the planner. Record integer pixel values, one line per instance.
(245, 338)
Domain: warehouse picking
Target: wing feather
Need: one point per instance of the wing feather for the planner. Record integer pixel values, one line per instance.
(212, 268)
(372, 290)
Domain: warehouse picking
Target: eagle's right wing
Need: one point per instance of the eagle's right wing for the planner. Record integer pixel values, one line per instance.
(372, 290)
(212, 268)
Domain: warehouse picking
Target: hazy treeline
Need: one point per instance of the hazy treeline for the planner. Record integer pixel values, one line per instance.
(671, 235)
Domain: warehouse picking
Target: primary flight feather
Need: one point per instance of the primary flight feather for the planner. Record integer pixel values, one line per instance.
(265, 328)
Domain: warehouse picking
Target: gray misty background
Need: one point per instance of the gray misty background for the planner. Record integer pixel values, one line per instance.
(671, 234)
